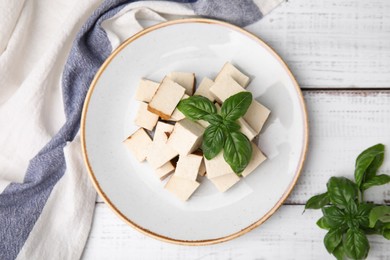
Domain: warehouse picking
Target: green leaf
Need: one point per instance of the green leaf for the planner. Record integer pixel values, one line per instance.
(362, 216)
(356, 245)
(386, 234)
(236, 106)
(341, 190)
(339, 252)
(196, 107)
(376, 181)
(317, 201)
(378, 228)
(321, 223)
(332, 239)
(334, 216)
(381, 213)
(371, 231)
(231, 126)
(386, 225)
(351, 214)
(237, 151)
(213, 119)
(368, 162)
(352, 208)
(213, 141)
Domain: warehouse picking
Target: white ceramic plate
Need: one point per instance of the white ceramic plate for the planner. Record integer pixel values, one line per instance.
(131, 189)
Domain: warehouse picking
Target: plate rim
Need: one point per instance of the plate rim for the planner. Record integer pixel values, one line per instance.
(150, 233)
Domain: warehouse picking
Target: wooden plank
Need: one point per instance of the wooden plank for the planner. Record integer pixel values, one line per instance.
(332, 43)
(288, 234)
(342, 124)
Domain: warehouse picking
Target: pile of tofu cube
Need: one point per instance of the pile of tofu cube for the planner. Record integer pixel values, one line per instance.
(174, 151)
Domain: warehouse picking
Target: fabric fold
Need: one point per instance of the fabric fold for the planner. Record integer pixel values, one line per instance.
(46, 198)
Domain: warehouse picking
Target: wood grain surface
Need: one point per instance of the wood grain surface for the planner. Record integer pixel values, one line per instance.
(289, 234)
(342, 124)
(332, 43)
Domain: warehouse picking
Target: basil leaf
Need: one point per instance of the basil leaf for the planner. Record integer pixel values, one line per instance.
(196, 107)
(352, 208)
(317, 201)
(371, 231)
(332, 239)
(213, 119)
(351, 214)
(376, 181)
(213, 141)
(386, 234)
(321, 223)
(381, 229)
(378, 228)
(381, 213)
(364, 210)
(334, 216)
(236, 106)
(368, 162)
(341, 190)
(386, 225)
(231, 126)
(339, 252)
(237, 151)
(356, 245)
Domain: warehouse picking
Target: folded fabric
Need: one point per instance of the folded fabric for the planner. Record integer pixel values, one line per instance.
(46, 198)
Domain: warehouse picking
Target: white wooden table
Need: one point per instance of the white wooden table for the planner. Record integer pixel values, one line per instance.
(339, 51)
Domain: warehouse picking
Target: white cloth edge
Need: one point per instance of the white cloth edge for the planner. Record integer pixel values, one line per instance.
(72, 192)
(127, 21)
(267, 6)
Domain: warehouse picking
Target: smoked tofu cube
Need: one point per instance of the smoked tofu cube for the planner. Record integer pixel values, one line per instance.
(256, 116)
(204, 89)
(246, 129)
(145, 118)
(202, 169)
(167, 96)
(203, 123)
(224, 88)
(186, 137)
(177, 115)
(229, 70)
(225, 182)
(184, 79)
(181, 187)
(165, 170)
(257, 158)
(138, 144)
(160, 152)
(217, 166)
(162, 132)
(188, 166)
(146, 90)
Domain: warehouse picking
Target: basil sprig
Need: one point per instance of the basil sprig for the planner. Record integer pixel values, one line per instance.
(346, 216)
(223, 131)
